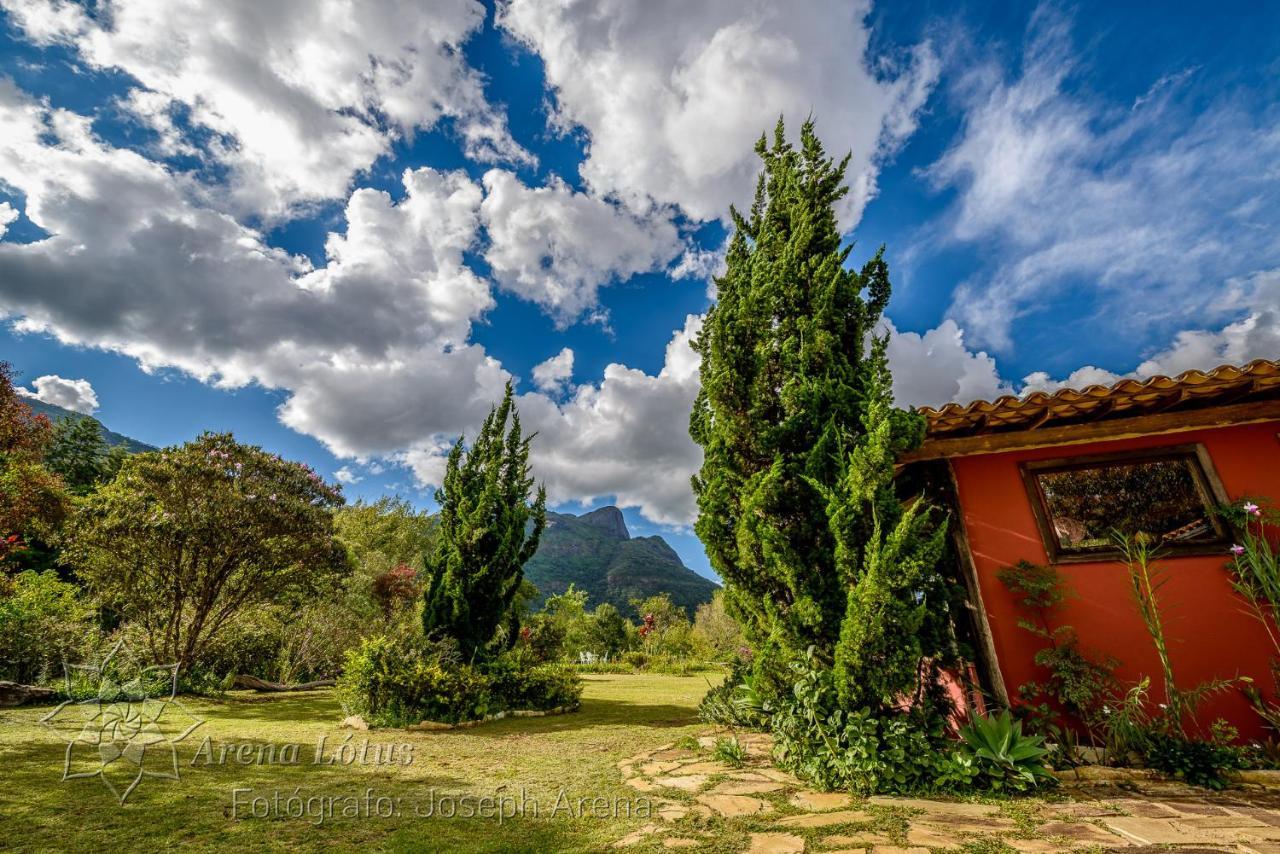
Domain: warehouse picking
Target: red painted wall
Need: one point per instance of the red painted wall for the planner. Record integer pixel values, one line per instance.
(1209, 634)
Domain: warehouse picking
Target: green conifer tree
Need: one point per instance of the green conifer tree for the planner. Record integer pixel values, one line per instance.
(78, 453)
(796, 499)
(484, 536)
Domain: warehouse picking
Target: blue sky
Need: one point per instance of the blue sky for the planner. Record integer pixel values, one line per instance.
(338, 234)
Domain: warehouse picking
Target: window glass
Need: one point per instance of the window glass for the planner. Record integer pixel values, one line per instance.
(1162, 498)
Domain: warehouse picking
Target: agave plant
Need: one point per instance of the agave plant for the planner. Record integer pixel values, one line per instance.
(1007, 758)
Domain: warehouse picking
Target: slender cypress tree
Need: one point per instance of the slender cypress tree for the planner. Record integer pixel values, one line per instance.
(796, 498)
(484, 537)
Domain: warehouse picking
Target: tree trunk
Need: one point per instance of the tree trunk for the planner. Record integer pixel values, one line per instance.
(15, 694)
(256, 684)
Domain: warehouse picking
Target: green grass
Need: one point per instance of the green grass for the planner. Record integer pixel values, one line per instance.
(530, 760)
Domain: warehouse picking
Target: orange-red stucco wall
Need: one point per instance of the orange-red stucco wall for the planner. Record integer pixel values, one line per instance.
(1209, 634)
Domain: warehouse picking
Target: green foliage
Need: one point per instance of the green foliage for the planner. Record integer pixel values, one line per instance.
(1209, 763)
(1146, 580)
(32, 500)
(1007, 760)
(729, 751)
(717, 634)
(79, 454)
(818, 739)
(735, 702)
(1077, 683)
(608, 634)
(401, 680)
(1255, 575)
(185, 539)
(518, 683)
(381, 534)
(796, 497)
(44, 622)
(476, 568)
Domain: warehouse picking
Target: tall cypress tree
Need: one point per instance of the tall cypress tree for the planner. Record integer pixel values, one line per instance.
(484, 538)
(796, 498)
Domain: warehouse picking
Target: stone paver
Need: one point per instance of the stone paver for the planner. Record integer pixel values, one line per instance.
(775, 843)
(824, 819)
(1082, 834)
(683, 782)
(820, 801)
(746, 788)
(959, 808)
(733, 806)
(857, 841)
(1146, 813)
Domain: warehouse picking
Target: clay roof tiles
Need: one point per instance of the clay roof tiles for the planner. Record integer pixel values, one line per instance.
(1258, 380)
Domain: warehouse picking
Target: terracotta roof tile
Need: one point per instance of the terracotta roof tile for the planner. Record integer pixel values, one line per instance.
(1258, 380)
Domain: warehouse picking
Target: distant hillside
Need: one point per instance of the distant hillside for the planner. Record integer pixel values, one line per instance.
(57, 413)
(596, 553)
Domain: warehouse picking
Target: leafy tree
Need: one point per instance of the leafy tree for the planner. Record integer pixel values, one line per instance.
(385, 533)
(43, 623)
(485, 536)
(717, 632)
(31, 497)
(797, 506)
(185, 539)
(664, 626)
(79, 454)
(608, 631)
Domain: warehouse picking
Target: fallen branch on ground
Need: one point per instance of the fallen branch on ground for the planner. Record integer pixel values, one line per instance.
(256, 684)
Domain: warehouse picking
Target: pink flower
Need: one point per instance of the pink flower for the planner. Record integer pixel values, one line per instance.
(1252, 509)
(1237, 550)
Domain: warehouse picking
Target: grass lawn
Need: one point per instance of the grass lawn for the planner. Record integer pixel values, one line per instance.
(544, 763)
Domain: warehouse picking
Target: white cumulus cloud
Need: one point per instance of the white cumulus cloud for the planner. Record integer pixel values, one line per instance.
(556, 247)
(553, 375)
(299, 97)
(674, 94)
(76, 395)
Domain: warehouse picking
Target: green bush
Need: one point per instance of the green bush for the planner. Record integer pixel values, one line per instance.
(1209, 763)
(735, 702)
(397, 682)
(44, 622)
(541, 687)
(1006, 759)
(400, 681)
(837, 749)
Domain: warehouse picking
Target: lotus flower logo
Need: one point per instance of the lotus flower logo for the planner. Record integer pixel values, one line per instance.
(129, 726)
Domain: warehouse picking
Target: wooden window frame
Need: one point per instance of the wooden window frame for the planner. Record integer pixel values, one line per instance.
(1203, 475)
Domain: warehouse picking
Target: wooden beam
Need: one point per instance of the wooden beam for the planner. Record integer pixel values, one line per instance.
(1096, 431)
(988, 661)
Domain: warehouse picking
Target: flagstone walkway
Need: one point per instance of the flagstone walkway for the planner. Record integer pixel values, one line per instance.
(701, 803)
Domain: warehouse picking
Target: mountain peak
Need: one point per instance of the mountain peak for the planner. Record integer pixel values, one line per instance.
(609, 518)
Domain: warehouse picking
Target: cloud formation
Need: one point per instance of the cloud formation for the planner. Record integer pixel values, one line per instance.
(557, 248)
(294, 99)
(672, 95)
(1146, 211)
(553, 375)
(76, 395)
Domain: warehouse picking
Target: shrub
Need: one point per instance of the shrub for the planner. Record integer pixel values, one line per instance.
(542, 687)
(397, 682)
(1006, 759)
(401, 681)
(43, 623)
(817, 739)
(1209, 763)
(735, 702)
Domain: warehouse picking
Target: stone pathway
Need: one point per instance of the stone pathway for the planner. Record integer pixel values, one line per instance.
(700, 802)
